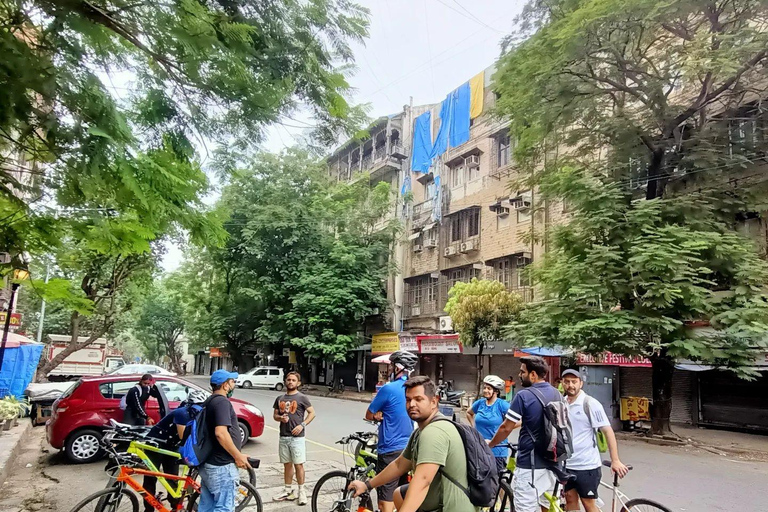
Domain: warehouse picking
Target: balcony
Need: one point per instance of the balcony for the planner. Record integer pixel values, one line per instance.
(422, 214)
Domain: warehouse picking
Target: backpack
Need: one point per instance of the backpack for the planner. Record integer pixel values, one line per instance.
(556, 445)
(198, 441)
(124, 400)
(600, 441)
(482, 472)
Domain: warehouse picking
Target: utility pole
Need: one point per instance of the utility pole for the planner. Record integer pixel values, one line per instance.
(42, 306)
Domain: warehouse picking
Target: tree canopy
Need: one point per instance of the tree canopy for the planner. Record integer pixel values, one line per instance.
(632, 113)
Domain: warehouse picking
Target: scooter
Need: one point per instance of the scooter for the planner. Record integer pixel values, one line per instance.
(448, 396)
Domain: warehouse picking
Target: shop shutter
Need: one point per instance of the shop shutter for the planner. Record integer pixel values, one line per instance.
(635, 382)
(682, 396)
(462, 370)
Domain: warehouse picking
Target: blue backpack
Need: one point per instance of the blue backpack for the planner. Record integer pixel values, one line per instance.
(198, 443)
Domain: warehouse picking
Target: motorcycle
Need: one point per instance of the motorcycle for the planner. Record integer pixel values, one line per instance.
(448, 396)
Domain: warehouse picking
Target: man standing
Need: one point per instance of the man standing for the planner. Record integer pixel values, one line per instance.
(587, 419)
(396, 427)
(359, 380)
(436, 447)
(218, 475)
(290, 410)
(532, 477)
(135, 405)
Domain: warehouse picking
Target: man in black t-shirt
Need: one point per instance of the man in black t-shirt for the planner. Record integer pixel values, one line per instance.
(218, 475)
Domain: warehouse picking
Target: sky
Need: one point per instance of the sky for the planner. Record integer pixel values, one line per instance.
(416, 48)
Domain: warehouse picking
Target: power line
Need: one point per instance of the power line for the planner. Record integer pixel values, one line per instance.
(472, 15)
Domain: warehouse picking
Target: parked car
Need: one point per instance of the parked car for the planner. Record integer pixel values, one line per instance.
(140, 369)
(262, 377)
(80, 416)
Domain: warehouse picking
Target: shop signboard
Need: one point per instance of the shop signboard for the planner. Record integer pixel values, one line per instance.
(439, 344)
(611, 359)
(385, 343)
(408, 342)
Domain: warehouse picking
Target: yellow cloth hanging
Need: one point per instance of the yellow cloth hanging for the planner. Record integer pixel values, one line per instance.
(476, 90)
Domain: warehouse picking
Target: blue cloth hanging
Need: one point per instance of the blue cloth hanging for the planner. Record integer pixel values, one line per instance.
(19, 366)
(441, 141)
(406, 187)
(422, 143)
(459, 132)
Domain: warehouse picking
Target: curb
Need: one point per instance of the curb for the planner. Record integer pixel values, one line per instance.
(326, 394)
(717, 450)
(7, 459)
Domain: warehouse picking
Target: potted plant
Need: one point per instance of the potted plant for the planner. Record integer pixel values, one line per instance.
(10, 410)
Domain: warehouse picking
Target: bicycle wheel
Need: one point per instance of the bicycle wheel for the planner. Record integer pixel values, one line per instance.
(644, 505)
(331, 489)
(109, 500)
(504, 500)
(247, 499)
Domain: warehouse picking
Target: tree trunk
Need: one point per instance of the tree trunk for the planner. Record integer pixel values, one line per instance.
(302, 367)
(480, 348)
(661, 409)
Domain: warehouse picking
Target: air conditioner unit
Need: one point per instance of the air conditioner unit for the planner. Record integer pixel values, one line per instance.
(430, 242)
(468, 247)
(502, 212)
(472, 161)
(416, 247)
(449, 251)
(415, 310)
(446, 324)
(523, 260)
(520, 204)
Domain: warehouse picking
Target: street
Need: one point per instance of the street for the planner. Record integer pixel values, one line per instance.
(683, 480)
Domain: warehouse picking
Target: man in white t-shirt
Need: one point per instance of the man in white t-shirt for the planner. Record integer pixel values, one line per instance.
(587, 418)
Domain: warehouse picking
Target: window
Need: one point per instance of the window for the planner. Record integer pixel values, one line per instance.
(174, 391)
(473, 222)
(431, 285)
(473, 173)
(116, 390)
(274, 372)
(503, 146)
(418, 292)
(455, 228)
(431, 189)
(455, 276)
(261, 372)
(457, 176)
(502, 272)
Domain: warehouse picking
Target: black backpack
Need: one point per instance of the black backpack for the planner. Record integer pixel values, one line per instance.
(482, 473)
(556, 445)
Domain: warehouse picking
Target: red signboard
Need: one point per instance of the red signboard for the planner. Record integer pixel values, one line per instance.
(611, 359)
(15, 319)
(439, 344)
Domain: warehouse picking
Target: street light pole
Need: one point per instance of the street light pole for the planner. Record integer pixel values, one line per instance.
(42, 307)
(7, 325)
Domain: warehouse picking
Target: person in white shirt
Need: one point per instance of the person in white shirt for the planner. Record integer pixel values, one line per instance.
(587, 419)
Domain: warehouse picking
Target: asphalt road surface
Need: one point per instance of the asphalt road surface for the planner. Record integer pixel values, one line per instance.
(682, 479)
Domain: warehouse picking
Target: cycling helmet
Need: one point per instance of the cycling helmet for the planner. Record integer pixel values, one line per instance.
(495, 382)
(196, 396)
(404, 360)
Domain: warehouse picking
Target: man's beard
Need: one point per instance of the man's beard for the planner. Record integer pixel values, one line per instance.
(526, 383)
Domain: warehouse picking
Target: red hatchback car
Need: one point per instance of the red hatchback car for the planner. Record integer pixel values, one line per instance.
(81, 414)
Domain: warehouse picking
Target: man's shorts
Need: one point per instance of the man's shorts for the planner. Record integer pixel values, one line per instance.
(293, 450)
(587, 482)
(527, 498)
(385, 491)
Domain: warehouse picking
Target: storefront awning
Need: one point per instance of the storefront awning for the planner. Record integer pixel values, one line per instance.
(546, 351)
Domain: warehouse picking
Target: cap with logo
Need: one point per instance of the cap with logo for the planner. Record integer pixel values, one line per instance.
(575, 373)
(222, 376)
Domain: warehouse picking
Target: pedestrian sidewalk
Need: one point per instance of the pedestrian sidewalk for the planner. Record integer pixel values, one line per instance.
(721, 442)
(347, 394)
(10, 444)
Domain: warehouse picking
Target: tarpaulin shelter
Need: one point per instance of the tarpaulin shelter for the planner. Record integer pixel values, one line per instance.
(19, 365)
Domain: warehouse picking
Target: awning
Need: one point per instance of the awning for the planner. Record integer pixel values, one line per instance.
(429, 226)
(14, 340)
(414, 236)
(470, 207)
(693, 367)
(546, 351)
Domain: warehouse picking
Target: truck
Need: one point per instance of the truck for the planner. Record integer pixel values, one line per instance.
(95, 359)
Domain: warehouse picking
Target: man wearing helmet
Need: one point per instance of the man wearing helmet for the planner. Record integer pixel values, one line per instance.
(169, 431)
(396, 426)
(487, 415)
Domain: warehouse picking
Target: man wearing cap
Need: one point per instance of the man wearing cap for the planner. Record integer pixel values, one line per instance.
(587, 419)
(218, 475)
(135, 406)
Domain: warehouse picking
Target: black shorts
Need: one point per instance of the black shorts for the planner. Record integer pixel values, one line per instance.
(385, 491)
(587, 482)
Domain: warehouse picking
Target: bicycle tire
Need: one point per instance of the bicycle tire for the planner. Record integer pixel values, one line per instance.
(643, 505)
(323, 480)
(240, 506)
(504, 502)
(100, 504)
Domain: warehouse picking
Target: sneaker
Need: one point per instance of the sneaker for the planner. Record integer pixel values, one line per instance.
(302, 497)
(285, 496)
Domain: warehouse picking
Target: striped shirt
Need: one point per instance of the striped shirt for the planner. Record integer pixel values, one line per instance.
(527, 408)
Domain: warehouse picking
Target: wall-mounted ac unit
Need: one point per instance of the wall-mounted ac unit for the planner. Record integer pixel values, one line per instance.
(468, 246)
(502, 212)
(472, 161)
(520, 204)
(430, 242)
(416, 247)
(449, 251)
(446, 324)
(415, 310)
(524, 259)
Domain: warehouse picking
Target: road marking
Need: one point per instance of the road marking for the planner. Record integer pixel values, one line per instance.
(313, 442)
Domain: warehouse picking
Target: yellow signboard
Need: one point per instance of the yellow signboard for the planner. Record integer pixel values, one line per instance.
(385, 343)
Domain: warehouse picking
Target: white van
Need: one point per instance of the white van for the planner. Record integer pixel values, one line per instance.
(262, 377)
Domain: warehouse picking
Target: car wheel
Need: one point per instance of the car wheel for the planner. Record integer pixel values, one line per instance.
(247, 384)
(279, 386)
(245, 432)
(83, 446)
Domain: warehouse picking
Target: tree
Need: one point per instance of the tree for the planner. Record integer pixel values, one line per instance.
(644, 97)
(479, 310)
(159, 325)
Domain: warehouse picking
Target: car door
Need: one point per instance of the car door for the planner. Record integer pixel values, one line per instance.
(260, 378)
(112, 393)
(274, 377)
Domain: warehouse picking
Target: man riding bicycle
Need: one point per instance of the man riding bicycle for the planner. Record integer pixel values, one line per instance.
(396, 426)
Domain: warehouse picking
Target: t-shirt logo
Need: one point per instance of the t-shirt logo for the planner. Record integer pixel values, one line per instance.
(288, 406)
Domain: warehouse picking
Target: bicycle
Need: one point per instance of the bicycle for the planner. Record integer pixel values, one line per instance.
(330, 493)
(630, 505)
(118, 497)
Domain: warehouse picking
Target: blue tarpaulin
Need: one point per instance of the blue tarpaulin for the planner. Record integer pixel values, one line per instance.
(547, 351)
(441, 141)
(422, 143)
(459, 133)
(19, 365)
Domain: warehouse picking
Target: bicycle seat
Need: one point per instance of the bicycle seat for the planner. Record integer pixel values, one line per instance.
(607, 464)
(116, 424)
(562, 476)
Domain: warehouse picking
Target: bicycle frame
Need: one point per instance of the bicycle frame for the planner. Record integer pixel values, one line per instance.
(616, 495)
(140, 450)
(185, 483)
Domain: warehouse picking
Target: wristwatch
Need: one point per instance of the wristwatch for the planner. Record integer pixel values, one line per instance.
(303, 424)
(368, 485)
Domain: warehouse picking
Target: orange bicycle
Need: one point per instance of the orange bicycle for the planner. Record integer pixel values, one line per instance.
(120, 498)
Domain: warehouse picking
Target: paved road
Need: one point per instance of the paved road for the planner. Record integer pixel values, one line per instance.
(684, 480)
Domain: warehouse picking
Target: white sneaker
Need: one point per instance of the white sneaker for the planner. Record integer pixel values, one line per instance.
(302, 497)
(285, 496)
